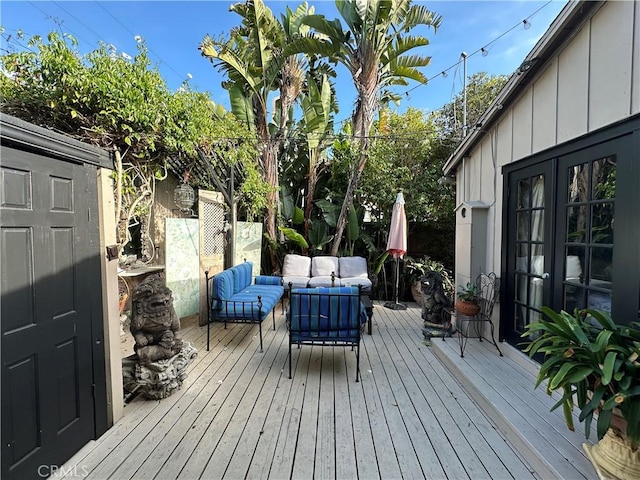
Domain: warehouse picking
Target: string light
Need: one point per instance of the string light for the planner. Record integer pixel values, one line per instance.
(526, 23)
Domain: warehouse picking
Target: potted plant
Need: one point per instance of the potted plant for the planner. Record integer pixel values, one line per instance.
(596, 364)
(416, 268)
(467, 303)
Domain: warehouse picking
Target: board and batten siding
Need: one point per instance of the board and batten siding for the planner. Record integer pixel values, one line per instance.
(591, 81)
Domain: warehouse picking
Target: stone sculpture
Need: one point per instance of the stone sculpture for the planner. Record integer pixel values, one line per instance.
(154, 323)
(434, 303)
(161, 358)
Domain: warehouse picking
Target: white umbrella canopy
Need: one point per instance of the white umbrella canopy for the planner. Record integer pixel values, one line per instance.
(397, 244)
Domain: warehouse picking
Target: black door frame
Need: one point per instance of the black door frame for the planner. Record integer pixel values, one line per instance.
(628, 207)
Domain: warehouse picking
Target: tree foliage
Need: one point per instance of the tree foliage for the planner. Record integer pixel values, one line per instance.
(373, 47)
(116, 102)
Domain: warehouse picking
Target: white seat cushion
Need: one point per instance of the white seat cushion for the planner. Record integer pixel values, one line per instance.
(324, 266)
(297, 281)
(323, 281)
(296, 266)
(352, 267)
(354, 281)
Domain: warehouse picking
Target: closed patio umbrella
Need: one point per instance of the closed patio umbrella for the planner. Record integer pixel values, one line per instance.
(397, 244)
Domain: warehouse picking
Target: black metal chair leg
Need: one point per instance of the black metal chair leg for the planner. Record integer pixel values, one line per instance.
(357, 362)
(208, 328)
(493, 339)
(289, 359)
(260, 330)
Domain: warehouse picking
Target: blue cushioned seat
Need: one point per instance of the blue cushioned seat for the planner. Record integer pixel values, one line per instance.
(327, 316)
(233, 298)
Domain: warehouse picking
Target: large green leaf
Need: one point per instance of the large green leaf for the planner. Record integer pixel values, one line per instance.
(298, 216)
(241, 105)
(329, 211)
(353, 227)
(288, 205)
(294, 236)
(317, 234)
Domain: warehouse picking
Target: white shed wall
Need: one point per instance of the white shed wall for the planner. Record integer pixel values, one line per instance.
(591, 81)
(573, 87)
(611, 49)
(545, 100)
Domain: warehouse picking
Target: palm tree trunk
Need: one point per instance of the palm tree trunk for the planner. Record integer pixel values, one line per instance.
(363, 118)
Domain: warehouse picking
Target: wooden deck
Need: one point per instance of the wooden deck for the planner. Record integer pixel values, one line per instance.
(238, 415)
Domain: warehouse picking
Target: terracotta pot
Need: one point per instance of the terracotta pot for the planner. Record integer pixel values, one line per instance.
(467, 308)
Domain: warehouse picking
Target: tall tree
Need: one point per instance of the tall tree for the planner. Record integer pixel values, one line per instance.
(256, 66)
(373, 48)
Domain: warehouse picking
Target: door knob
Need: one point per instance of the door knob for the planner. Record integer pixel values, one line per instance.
(545, 275)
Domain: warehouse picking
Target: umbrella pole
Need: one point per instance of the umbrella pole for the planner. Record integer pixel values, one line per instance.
(396, 305)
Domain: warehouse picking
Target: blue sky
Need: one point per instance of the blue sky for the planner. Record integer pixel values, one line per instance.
(173, 30)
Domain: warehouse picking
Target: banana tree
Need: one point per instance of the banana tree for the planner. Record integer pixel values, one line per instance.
(372, 48)
(317, 111)
(253, 61)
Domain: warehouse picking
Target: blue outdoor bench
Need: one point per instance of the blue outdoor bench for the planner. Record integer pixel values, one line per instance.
(232, 297)
(333, 316)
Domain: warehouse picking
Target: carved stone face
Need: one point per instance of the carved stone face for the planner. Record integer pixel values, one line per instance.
(152, 297)
(430, 282)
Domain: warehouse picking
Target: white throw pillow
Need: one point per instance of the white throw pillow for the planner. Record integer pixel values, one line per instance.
(323, 266)
(351, 267)
(296, 265)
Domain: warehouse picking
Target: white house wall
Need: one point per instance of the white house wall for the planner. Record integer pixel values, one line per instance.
(573, 88)
(611, 63)
(591, 81)
(545, 99)
(522, 126)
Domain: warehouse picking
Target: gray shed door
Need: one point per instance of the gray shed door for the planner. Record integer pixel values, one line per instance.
(47, 276)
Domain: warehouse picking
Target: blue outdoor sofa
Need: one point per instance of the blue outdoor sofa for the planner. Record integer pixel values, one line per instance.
(232, 297)
(332, 316)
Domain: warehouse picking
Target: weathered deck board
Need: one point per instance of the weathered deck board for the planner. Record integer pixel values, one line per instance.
(238, 415)
(508, 388)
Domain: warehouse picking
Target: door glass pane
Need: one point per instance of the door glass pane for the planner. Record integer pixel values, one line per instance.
(537, 259)
(537, 225)
(603, 179)
(576, 224)
(573, 298)
(601, 260)
(578, 183)
(523, 225)
(535, 292)
(600, 300)
(573, 265)
(521, 288)
(537, 200)
(602, 223)
(524, 194)
(522, 251)
(521, 313)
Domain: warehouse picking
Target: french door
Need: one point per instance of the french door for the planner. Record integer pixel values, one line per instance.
(571, 232)
(529, 251)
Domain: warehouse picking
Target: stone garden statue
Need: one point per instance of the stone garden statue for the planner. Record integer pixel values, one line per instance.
(434, 303)
(161, 358)
(154, 323)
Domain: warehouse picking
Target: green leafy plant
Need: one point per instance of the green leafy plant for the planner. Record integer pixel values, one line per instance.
(468, 292)
(594, 362)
